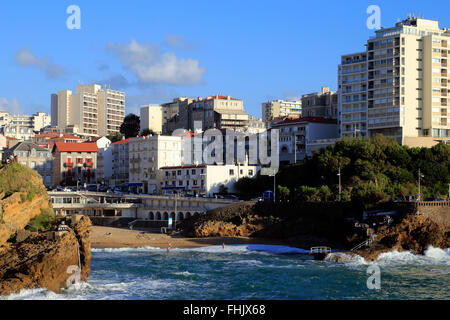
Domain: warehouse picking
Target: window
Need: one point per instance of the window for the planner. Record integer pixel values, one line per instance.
(250, 172)
(231, 172)
(193, 171)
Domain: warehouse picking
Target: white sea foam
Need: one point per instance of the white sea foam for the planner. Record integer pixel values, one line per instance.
(255, 248)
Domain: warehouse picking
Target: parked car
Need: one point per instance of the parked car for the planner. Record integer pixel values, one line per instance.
(231, 197)
(117, 191)
(257, 199)
(103, 188)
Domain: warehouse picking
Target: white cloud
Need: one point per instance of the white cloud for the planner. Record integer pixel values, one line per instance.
(26, 58)
(177, 42)
(151, 65)
(12, 107)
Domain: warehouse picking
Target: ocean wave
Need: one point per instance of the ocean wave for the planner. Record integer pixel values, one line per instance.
(431, 256)
(250, 248)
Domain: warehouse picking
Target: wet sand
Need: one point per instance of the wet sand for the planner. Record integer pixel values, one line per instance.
(107, 237)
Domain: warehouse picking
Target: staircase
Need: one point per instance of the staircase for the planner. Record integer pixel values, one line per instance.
(366, 243)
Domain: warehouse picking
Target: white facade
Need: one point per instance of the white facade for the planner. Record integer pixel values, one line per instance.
(152, 118)
(281, 109)
(304, 136)
(23, 127)
(148, 154)
(204, 179)
(96, 111)
(104, 160)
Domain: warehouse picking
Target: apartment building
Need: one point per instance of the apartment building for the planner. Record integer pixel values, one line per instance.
(320, 104)
(148, 154)
(94, 110)
(204, 179)
(120, 163)
(352, 81)
(298, 138)
(18, 132)
(23, 127)
(152, 118)
(255, 125)
(35, 157)
(407, 83)
(281, 109)
(74, 162)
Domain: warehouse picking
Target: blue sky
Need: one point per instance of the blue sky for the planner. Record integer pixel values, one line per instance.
(253, 50)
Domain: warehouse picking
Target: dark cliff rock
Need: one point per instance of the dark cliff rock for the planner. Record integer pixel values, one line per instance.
(414, 233)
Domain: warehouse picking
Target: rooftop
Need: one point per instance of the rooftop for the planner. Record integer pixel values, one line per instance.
(75, 147)
(305, 120)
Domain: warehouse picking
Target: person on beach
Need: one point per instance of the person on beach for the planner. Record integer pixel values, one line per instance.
(223, 246)
(169, 247)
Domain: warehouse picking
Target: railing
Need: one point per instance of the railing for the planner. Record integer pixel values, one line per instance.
(434, 203)
(366, 243)
(320, 250)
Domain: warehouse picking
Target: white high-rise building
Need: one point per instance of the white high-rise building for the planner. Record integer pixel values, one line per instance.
(96, 111)
(399, 86)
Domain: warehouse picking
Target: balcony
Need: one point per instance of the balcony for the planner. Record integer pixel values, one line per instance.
(68, 164)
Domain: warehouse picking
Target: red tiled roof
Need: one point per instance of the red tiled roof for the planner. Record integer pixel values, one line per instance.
(219, 97)
(10, 138)
(75, 147)
(67, 137)
(122, 141)
(47, 135)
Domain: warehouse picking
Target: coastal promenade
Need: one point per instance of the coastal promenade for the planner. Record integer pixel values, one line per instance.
(142, 207)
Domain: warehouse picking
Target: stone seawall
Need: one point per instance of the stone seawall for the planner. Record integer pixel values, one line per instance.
(437, 211)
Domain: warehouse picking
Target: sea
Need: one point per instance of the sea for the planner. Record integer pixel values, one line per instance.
(260, 272)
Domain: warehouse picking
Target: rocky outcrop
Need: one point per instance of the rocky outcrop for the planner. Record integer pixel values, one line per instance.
(237, 220)
(42, 262)
(414, 233)
(22, 197)
(17, 214)
(226, 229)
(37, 260)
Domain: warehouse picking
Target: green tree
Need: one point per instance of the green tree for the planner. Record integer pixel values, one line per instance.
(114, 137)
(223, 189)
(325, 193)
(283, 192)
(131, 126)
(146, 132)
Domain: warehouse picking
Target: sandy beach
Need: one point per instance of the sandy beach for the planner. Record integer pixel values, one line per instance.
(107, 237)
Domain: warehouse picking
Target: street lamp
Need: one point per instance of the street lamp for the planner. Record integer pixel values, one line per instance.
(340, 188)
(420, 176)
(295, 148)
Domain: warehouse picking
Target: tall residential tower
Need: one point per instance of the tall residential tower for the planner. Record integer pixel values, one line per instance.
(399, 86)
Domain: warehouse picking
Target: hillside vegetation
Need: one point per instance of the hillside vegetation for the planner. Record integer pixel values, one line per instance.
(372, 171)
(16, 178)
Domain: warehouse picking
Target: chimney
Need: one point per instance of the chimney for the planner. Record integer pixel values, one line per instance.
(325, 90)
